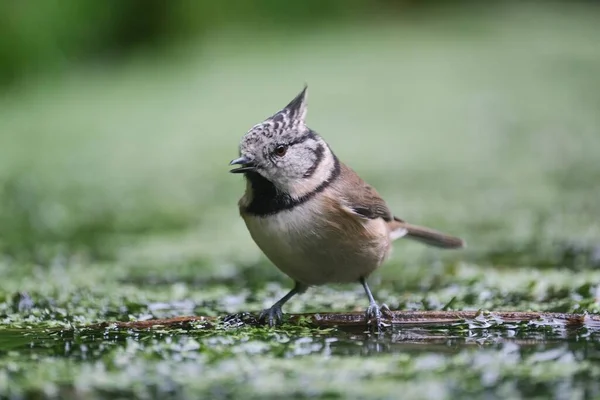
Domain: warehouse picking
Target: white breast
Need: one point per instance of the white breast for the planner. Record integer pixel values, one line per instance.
(305, 245)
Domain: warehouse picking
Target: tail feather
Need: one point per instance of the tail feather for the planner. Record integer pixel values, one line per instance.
(424, 235)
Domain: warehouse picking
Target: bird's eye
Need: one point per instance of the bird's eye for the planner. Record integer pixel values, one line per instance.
(280, 150)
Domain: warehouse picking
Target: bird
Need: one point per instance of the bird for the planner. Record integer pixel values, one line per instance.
(311, 215)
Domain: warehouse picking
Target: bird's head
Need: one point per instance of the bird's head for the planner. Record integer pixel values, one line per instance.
(282, 149)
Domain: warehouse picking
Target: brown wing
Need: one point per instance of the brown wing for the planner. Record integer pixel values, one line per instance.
(361, 197)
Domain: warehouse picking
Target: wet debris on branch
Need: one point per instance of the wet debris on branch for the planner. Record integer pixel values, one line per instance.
(481, 319)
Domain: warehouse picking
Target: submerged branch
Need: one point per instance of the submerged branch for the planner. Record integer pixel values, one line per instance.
(486, 319)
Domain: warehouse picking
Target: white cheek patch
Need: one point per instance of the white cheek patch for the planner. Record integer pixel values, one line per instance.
(301, 186)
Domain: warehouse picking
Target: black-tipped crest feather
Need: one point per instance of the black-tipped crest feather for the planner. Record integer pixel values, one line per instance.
(296, 109)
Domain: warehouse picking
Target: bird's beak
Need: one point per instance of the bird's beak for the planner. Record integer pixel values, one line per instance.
(246, 165)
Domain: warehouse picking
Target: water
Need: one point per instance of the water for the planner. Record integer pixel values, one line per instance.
(440, 360)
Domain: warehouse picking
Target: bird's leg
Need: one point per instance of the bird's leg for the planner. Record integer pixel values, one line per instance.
(373, 311)
(274, 315)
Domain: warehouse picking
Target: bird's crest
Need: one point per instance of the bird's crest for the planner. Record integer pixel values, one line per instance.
(289, 121)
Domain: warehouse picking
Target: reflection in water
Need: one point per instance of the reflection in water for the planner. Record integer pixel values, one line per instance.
(456, 355)
(581, 342)
(90, 344)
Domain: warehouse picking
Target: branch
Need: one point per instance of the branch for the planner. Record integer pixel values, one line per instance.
(397, 318)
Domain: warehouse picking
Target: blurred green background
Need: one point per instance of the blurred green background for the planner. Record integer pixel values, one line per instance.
(55, 34)
(118, 120)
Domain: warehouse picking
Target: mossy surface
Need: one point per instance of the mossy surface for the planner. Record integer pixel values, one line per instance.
(116, 205)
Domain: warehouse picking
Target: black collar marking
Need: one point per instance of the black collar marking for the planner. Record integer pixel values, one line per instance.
(267, 200)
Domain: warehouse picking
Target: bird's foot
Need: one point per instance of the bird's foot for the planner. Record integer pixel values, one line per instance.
(374, 317)
(271, 316)
(386, 312)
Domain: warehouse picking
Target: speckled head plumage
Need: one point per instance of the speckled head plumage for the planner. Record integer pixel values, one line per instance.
(285, 125)
(282, 149)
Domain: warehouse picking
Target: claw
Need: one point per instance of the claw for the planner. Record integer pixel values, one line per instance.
(386, 312)
(374, 318)
(272, 316)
